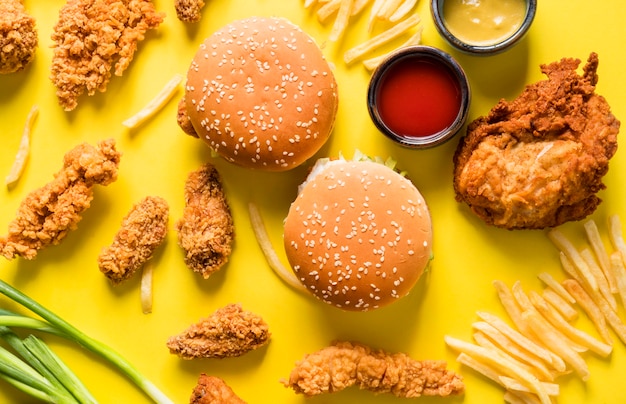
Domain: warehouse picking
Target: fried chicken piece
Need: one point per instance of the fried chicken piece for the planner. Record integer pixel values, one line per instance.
(143, 229)
(345, 364)
(228, 332)
(182, 118)
(205, 230)
(47, 214)
(213, 390)
(538, 161)
(93, 36)
(18, 36)
(189, 10)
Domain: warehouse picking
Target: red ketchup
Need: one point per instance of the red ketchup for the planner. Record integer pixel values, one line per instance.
(418, 97)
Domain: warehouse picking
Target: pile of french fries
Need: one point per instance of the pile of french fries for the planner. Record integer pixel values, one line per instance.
(543, 342)
(396, 15)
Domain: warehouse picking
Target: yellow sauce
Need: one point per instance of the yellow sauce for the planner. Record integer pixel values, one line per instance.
(483, 22)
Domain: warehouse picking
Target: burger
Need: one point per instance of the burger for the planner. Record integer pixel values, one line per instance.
(358, 235)
(261, 94)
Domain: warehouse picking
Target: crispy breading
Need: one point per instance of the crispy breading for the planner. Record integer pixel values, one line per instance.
(538, 161)
(18, 36)
(182, 118)
(143, 229)
(91, 38)
(213, 390)
(189, 10)
(230, 331)
(344, 364)
(205, 230)
(47, 214)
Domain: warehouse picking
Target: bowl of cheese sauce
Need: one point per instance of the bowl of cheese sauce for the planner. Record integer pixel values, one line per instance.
(419, 97)
(483, 27)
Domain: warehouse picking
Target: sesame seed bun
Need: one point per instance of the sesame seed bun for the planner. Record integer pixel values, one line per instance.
(260, 93)
(358, 235)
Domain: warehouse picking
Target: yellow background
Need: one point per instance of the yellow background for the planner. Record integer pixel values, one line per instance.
(158, 156)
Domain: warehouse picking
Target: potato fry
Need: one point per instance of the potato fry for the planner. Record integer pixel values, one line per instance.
(596, 271)
(373, 43)
(402, 10)
(327, 10)
(615, 233)
(158, 102)
(501, 364)
(552, 389)
(378, 4)
(617, 267)
(556, 286)
(567, 329)
(341, 21)
(510, 305)
(387, 9)
(309, 3)
(517, 397)
(599, 249)
(358, 6)
(555, 300)
(566, 246)
(23, 152)
(415, 39)
(556, 343)
(590, 307)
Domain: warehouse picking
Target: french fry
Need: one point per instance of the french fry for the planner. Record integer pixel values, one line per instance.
(510, 305)
(555, 300)
(599, 249)
(617, 267)
(373, 43)
(21, 158)
(341, 21)
(552, 389)
(327, 10)
(309, 3)
(378, 4)
(415, 39)
(556, 343)
(402, 10)
(590, 307)
(615, 233)
(566, 246)
(501, 364)
(158, 102)
(567, 329)
(387, 9)
(596, 271)
(358, 6)
(517, 397)
(556, 286)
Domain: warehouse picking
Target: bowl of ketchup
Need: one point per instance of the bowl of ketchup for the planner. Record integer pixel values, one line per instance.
(419, 97)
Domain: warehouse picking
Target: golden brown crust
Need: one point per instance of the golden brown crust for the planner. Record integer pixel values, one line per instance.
(345, 364)
(261, 94)
(143, 229)
(85, 52)
(47, 214)
(228, 332)
(358, 235)
(189, 10)
(18, 36)
(206, 229)
(538, 161)
(213, 390)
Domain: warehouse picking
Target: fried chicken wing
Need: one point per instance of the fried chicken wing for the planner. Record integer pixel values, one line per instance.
(538, 161)
(228, 332)
(345, 364)
(213, 390)
(189, 10)
(205, 230)
(47, 214)
(18, 36)
(143, 229)
(91, 38)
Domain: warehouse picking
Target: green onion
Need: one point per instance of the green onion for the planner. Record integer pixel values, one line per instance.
(62, 327)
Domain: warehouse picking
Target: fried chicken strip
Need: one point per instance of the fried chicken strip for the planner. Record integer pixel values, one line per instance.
(213, 390)
(91, 38)
(189, 10)
(143, 229)
(345, 364)
(205, 230)
(228, 332)
(18, 36)
(47, 214)
(538, 161)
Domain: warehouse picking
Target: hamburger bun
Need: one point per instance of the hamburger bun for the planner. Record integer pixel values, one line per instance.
(358, 235)
(261, 94)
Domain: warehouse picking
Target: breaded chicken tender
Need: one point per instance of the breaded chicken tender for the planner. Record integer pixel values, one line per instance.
(538, 161)
(91, 38)
(47, 214)
(228, 332)
(205, 230)
(189, 10)
(143, 229)
(213, 390)
(345, 364)
(18, 36)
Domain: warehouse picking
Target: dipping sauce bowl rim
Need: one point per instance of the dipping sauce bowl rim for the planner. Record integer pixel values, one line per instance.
(436, 7)
(428, 52)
